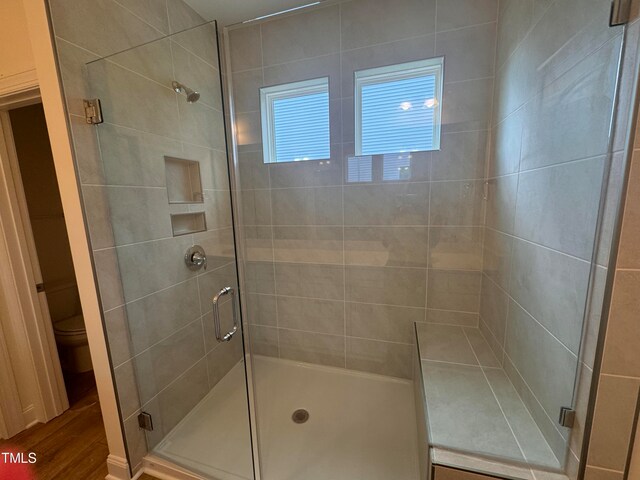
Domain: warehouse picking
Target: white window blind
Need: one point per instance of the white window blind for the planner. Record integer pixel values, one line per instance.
(396, 167)
(359, 169)
(295, 121)
(398, 108)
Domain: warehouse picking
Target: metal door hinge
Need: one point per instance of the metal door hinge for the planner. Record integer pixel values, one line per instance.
(567, 417)
(39, 287)
(93, 111)
(620, 11)
(145, 421)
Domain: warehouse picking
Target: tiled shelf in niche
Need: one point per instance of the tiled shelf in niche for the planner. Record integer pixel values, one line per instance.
(186, 223)
(184, 184)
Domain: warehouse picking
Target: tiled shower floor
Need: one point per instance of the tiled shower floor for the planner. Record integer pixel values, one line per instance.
(472, 406)
(360, 426)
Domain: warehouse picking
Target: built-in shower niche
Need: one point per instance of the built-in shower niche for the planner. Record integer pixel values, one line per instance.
(184, 184)
(186, 223)
(184, 188)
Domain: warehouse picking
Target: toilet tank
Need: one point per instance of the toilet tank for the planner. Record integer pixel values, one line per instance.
(63, 299)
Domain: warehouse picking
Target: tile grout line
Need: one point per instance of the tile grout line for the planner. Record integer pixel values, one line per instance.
(271, 224)
(511, 299)
(344, 260)
(524, 382)
(496, 399)
(380, 44)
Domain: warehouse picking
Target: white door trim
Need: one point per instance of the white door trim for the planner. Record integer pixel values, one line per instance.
(28, 321)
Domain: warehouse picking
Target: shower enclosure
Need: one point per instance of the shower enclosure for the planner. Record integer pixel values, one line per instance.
(356, 239)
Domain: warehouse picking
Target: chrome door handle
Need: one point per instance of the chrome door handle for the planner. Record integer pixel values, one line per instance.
(216, 315)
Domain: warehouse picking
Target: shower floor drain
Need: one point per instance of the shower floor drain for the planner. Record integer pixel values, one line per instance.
(300, 416)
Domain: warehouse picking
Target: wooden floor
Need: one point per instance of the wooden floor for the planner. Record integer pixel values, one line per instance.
(72, 446)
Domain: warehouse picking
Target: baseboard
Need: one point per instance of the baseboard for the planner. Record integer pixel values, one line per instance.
(30, 416)
(118, 468)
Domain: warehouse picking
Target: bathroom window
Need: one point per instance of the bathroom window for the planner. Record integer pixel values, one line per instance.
(295, 121)
(398, 107)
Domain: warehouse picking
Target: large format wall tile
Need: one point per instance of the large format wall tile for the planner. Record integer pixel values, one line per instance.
(311, 315)
(461, 156)
(400, 51)
(323, 226)
(176, 401)
(493, 310)
(382, 322)
(386, 285)
(158, 366)
(501, 203)
(453, 14)
(469, 52)
(309, 34)
(139, 214)
(309, 280)
(612, 431)
(314, 244)
(466, 105)
(386, 246)
(135, 158)
(152, 266)
(553, 288)
(305, 174)
(371, 22)
(245, 48)
(161, 314)
(497, 257)
(312, 347)
(101, 26)
(558, 206)
(396, 204)
(131, 100)
(534, 352)
(457, 290)
(566, 122)
(307, 206)
(455, 248)
(383, 358)
(620, 354)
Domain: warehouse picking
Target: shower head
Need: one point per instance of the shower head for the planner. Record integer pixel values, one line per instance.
(192, 95)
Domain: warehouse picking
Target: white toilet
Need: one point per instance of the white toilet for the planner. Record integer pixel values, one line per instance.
(73, 346)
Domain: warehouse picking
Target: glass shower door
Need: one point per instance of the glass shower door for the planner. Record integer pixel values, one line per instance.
(167, 199)
(483, 239)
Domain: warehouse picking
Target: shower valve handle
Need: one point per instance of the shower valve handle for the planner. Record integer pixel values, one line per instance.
(195, 258)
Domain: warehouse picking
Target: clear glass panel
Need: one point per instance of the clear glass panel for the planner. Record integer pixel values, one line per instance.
(166, 189)
(485, 244)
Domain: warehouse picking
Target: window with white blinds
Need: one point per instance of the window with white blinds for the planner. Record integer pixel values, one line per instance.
(295, 121)
(398, 107)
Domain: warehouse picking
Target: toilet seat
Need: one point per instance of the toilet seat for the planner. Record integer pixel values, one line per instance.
(70, 326)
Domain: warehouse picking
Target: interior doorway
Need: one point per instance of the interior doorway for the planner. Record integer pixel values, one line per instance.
(48, 244)
(49, 404)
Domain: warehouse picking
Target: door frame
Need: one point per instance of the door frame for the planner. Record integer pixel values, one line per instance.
(28, 325)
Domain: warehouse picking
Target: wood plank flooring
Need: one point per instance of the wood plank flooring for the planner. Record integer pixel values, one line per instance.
(72, 446)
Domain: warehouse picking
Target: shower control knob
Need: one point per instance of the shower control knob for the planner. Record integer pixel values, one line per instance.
(195, 258)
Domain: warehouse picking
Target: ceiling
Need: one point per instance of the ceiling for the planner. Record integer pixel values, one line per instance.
(228, 12)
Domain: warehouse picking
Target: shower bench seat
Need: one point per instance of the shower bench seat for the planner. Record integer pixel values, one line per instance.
(476, 423)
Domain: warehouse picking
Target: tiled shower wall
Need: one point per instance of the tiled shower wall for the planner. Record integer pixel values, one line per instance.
(338, 270)
(556, 69)
(157, 312)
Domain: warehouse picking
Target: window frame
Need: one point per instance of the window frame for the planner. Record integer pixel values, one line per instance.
(270, 94)
(401, 71)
